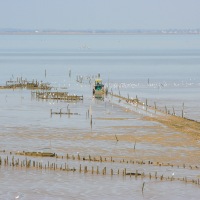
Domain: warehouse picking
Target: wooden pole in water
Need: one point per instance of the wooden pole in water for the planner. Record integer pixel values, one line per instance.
(80, 168)
(134, 145)
(136, 173)
(85, 171)
(174, 111)
(91, 121)
(146, 104)
(183, 110)
(111, 172)
(116, 138)
(69, 73)
(166, 109)
(143, 187)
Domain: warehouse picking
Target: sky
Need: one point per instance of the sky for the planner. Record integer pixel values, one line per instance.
(100, 14)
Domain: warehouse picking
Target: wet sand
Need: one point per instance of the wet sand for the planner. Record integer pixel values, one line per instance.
(179, 124)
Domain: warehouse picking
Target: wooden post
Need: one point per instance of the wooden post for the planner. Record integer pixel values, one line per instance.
(146, 104)
(143, 187)
(85, 170)
(134, 145)
(111, 172)
(91, 122)
(136, 173)
(116, 138)
(80, 168)
(69, 73)
(173, 111)
(166, 109)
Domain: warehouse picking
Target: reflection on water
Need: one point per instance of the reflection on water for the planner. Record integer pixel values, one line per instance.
(29, 184)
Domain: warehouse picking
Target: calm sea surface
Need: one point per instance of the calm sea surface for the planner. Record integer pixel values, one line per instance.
(164, 69)
(126, 63)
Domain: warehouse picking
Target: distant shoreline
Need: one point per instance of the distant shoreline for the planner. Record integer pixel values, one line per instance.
(194, 32)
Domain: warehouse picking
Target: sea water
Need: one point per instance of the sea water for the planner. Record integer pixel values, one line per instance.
(161, 69)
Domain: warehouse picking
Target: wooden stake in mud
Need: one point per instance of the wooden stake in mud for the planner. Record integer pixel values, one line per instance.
(174, 111)
(80, 168)
(155, 106)
(85, 170)
(182, 114)
(91, 122)
(136, 174)
(146, 104)
(116, 138)
(79, 157)
(111, 172)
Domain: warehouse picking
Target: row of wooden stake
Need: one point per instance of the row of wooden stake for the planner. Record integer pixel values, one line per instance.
(53, 166)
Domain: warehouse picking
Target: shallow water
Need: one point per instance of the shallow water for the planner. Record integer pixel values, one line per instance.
(161, 69)
(36, 184)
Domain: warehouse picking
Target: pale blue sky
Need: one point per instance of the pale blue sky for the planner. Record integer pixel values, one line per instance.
(100, 14)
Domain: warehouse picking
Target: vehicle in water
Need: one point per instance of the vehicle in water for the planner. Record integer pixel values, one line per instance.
(98, 89)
